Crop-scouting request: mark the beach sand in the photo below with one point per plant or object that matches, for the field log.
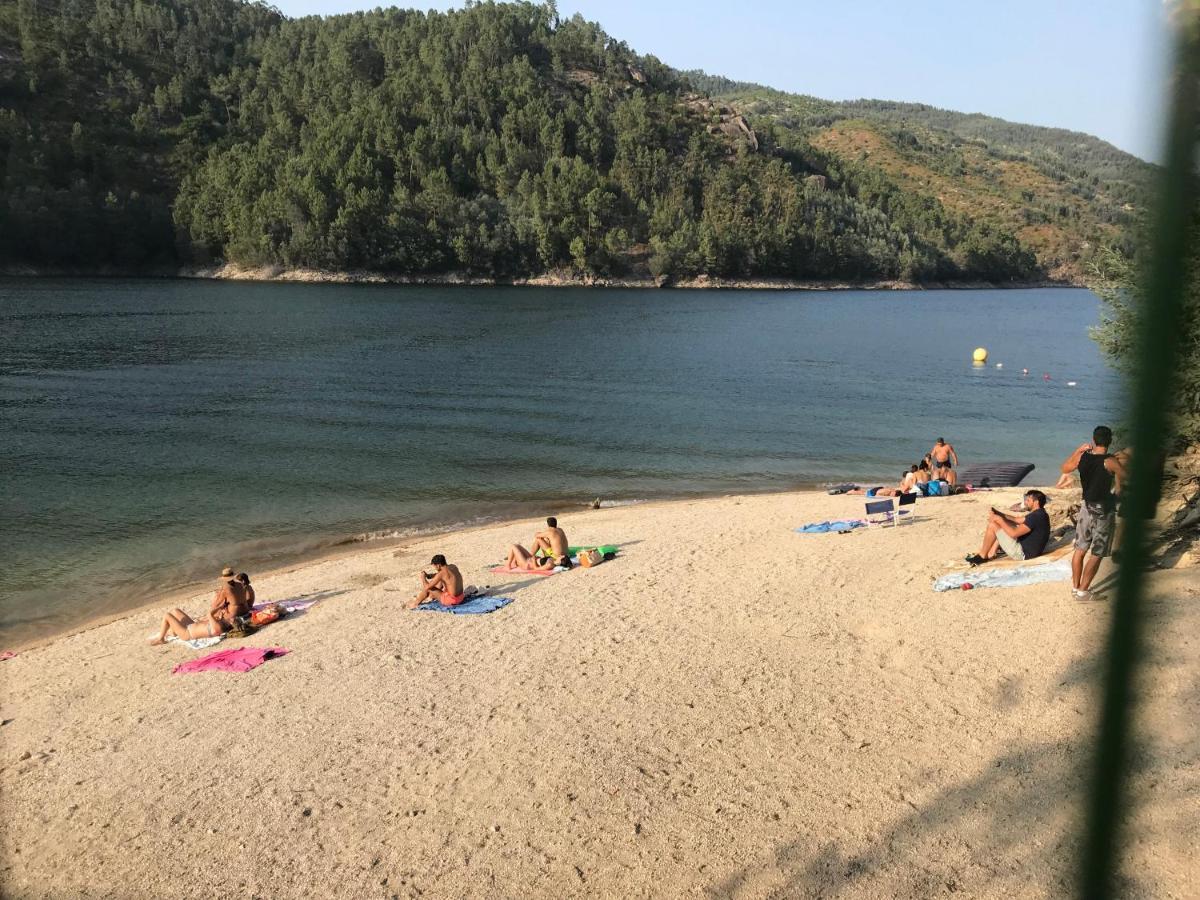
(727, 709)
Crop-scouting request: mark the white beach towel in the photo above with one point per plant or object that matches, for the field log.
(195, 643)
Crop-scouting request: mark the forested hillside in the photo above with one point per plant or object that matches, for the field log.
(499, 141)
(1062, 194)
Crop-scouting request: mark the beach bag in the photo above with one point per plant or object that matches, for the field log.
(589, 558)
(266, 615)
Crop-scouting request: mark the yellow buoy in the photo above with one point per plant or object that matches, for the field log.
(980, 354)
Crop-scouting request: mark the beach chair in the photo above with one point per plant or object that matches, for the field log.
(885, 508)
(907, 500)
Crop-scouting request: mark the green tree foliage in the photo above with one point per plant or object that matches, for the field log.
(498, 140)
(1121, 283)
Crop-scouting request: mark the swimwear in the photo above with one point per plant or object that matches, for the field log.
(945, 464)
(449, 599)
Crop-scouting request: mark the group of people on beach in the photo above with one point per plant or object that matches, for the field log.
(1025, 535)
(1020, 535)
(936, 466)
(549, 551)
(234, 599)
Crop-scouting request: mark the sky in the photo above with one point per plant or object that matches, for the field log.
(1097, 66)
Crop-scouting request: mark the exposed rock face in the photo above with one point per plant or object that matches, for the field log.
(1178, 514)
(724, 121)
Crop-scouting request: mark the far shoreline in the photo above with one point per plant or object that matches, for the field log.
(556, 279)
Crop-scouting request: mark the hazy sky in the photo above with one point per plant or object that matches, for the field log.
(1089, 65)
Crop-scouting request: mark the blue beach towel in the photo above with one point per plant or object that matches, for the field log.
(1040, 573)
(826, 527)
(474, 606)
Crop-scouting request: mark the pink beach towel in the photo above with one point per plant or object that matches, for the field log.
(7, 654)
(241, 659)
(503, 570)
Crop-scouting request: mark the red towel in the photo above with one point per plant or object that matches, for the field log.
(243, 659)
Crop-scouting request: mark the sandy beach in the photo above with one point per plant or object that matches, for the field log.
(727, 709)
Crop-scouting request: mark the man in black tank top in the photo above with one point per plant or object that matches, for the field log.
(1096, 525)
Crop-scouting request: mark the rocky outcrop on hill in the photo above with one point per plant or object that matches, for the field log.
(723, 120)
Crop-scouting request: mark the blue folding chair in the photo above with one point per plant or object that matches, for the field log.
(886, 508)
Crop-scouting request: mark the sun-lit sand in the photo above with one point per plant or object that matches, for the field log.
(727, 709)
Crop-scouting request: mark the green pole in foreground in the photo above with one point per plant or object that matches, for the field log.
(1157, 353)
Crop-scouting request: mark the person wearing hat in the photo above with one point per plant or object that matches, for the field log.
(232, 600)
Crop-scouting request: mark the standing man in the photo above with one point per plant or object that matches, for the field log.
(1096, 526)
(943, 459)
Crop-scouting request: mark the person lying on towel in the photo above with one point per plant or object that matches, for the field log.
(444, 586)
(233, 599)
(906, 486)
(520, 559)
(1023, 536)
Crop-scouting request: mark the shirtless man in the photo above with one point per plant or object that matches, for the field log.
(552, 542)
(904, 487)
(232, 599)
(445, 585)
(943, 459)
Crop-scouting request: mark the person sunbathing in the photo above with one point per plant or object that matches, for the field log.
(552, 542)
(905, 486)
(520, 559)
(232, 600)
(444, 586)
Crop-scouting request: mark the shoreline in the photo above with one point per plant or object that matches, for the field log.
(378, 540)
(286, 561)
(558, 279)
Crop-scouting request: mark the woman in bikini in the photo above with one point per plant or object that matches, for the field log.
(231, 601)
(521, 559)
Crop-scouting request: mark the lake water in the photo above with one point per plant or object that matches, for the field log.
(153, 431)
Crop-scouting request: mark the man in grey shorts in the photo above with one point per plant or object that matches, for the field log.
(1020, 537)
(1097, 521)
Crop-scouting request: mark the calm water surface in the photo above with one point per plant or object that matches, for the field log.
(152, 431)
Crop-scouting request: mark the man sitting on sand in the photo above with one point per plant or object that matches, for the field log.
(232, 600)
(445, 585)
(943, 459)
(1023, 536)
(552, 542)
